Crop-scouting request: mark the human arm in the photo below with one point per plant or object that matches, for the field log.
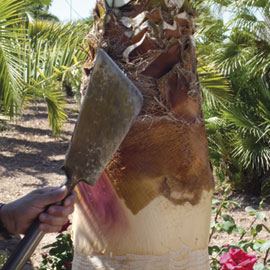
(17, 216)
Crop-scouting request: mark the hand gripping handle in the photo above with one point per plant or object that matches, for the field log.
(32, 237)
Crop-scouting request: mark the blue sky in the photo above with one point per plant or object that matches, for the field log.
(74, 9)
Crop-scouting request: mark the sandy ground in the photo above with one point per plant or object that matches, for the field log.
(31, 158)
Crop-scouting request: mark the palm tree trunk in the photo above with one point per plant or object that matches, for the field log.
(151, 208)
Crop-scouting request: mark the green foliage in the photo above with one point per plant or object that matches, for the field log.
(216, 88)
(248, 237)
(237, 114)
(10, 78)
(39, 9)
(60, 254)
(55, 63)
(39, 59)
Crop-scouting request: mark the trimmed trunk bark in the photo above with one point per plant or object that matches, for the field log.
(151, 208)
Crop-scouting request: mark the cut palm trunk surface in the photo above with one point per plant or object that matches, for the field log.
(151, 208)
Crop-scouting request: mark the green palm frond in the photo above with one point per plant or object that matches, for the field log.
(216, 88)
(39, 9)
(242, 121)
(48, 64)
(45, 53)
(250, 129)
(36, 57)
(11, 66)
(234, 53)
(55, 101)
(253, 17)
(218, 140)
(255, 3)
(10, 12)
(209, 28)
(252, 154)
(259, 61)
(263, 99)
(40, 2)
(10, 81)
(239, 131)
(213, 124)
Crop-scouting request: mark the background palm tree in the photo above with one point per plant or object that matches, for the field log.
(239, 130)
(39, 10)
(38, 57)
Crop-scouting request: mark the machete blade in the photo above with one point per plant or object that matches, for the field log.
(110, 105)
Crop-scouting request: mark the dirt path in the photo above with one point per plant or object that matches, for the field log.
(31, 158)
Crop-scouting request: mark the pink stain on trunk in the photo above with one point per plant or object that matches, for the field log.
(101, 202)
